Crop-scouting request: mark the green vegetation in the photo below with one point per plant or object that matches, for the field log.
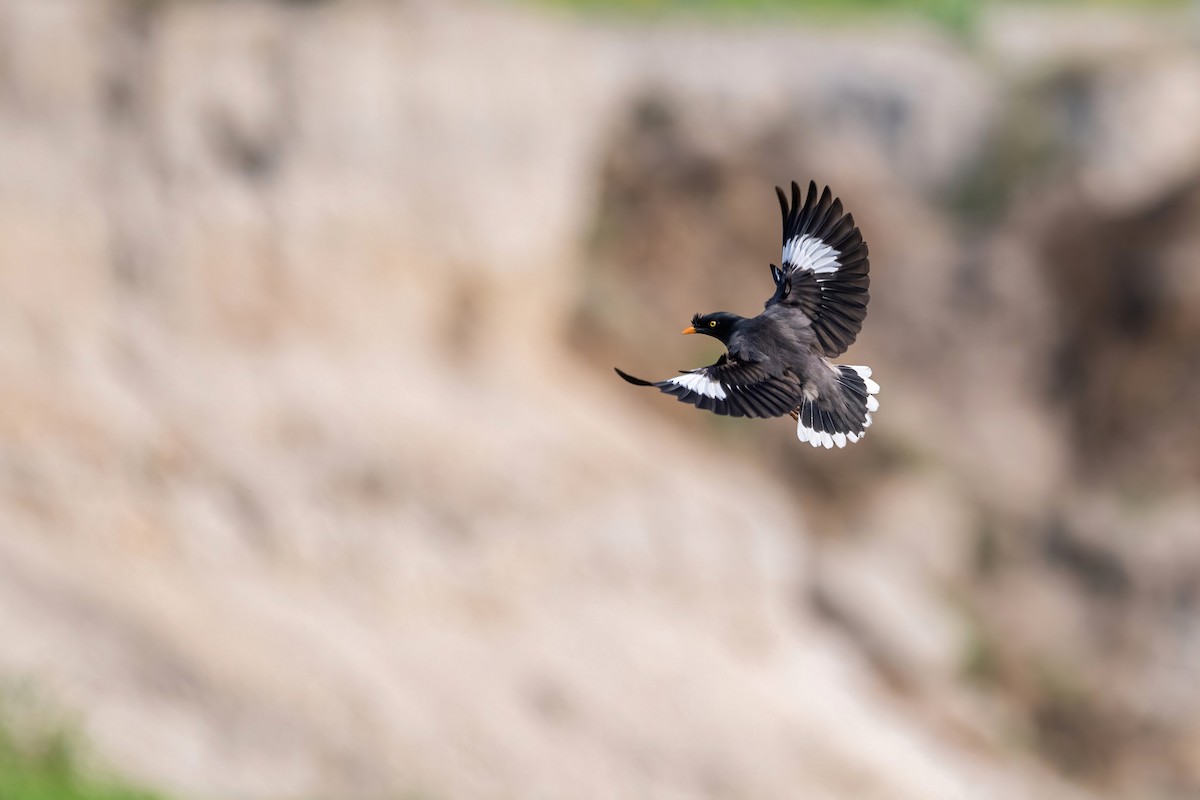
(46, 764)
(982, 659)
(934, 8)
(957, 16)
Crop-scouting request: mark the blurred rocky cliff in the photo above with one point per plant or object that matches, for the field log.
(315, 479)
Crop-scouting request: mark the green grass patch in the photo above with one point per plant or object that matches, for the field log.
(959, 17)
(956, 14)
(839, 7)
(40, 761)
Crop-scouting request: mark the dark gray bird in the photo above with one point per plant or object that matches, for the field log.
(778, 362)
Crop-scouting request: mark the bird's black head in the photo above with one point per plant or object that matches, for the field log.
(719, 325)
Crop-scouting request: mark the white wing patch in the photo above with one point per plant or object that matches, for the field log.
(700, 383)
(809, 252)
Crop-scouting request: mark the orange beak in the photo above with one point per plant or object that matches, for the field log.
(689, 329)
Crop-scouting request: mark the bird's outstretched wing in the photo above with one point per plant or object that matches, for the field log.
(731, 387)
(825, 267)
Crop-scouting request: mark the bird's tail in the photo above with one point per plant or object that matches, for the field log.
(833, 421)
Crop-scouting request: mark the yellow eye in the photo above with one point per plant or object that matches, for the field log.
(712, 324)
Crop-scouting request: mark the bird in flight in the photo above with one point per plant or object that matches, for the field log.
(778, 362)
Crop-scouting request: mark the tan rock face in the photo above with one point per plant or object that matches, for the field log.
(314, 480)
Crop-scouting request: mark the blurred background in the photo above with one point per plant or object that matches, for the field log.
(316, 482)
